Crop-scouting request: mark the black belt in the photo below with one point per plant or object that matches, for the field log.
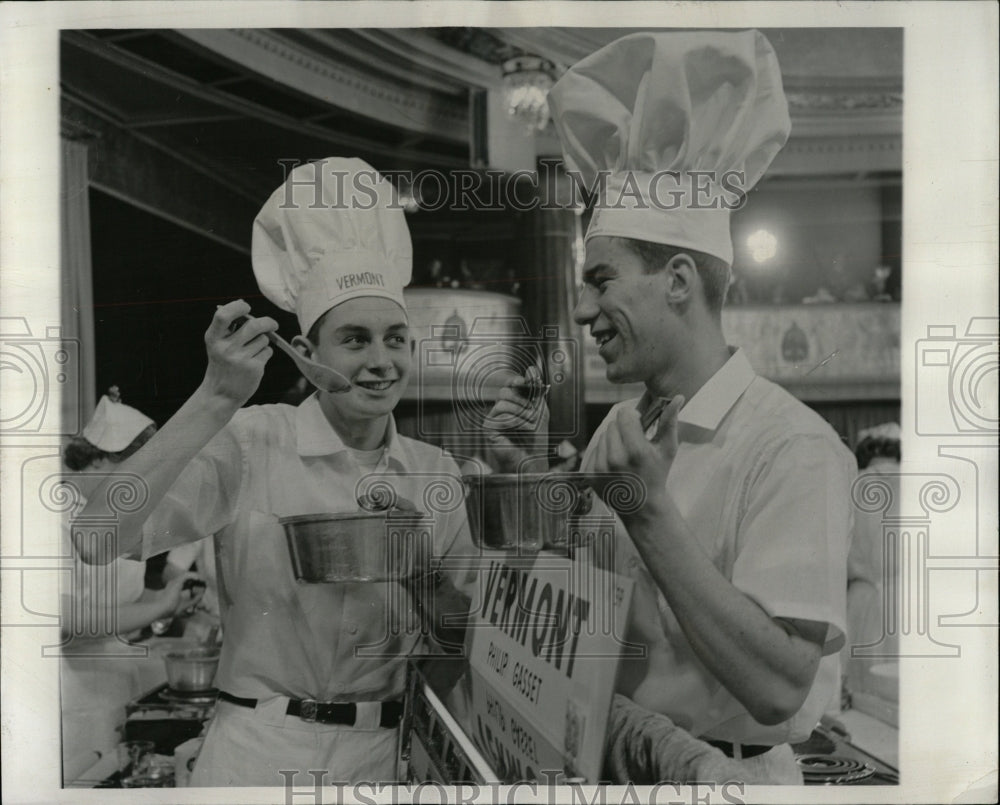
(746, 750)
(327, 712)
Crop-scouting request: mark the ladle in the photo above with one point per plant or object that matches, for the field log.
(531, 390)
(322, 377)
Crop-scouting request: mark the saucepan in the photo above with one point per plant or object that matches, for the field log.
(528, 511)
(382, 542)
(192, 669)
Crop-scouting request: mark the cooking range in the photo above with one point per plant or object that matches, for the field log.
(830, 758)
(168, 717)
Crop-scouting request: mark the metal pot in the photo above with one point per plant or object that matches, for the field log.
(192, 669)
(358, 547)
(527, 512)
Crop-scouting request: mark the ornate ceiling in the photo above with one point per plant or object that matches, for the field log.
(228, 105)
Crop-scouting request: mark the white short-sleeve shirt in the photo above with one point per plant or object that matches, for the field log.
(764, 483)
(329, 642)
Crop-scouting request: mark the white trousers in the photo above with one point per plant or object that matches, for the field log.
(253, 747)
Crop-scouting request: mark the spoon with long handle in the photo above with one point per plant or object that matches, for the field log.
(322, 377)
(212, 638)
(652, 413)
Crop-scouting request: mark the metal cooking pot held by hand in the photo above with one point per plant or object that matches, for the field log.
(527, 511)
(362, 546)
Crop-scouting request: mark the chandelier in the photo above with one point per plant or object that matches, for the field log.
(526, 84)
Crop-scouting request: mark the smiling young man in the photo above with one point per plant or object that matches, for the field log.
(366, 340)
(311, 675)
(739, 548)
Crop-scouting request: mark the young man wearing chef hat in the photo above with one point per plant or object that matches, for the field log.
(739, 550)
(311, 675)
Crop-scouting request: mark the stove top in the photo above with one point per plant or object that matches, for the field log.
(830, 758)
(165, 702)
(195, 697)
(166, 717)
(833, 770)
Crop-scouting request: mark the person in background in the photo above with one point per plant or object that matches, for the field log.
(311, 675)
(100, 606)
(738, 548)
(198, 557)
(115, 432)
(878, 456)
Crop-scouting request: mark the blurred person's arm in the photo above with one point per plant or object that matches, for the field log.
(181, 559)
(151, 606)
(644, 748)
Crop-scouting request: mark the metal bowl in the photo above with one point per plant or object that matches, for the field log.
(529, 511)
(191, 669)
(358, 547)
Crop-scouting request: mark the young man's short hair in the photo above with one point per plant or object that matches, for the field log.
(713, 271)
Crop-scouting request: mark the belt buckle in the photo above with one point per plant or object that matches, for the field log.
(309, 710)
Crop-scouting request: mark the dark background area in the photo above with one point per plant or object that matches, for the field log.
(156, 287)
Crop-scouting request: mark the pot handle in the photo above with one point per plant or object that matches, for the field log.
(377, 504)
(584, 501)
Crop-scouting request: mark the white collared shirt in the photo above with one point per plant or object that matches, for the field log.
(765, 485)
(283, 637)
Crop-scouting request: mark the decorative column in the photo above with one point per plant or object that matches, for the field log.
(905, 569)
(549, 295)
(980, 555)
(94, 616)
(593, 542)
(76, 284)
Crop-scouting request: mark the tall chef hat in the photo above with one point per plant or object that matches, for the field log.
(114, 425)
(332, 232)
(656, 109)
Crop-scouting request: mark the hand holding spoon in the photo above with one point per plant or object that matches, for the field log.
(531, 389)
(322, 377)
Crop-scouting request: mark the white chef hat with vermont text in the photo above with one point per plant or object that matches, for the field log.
(333, 231)
(682, 125)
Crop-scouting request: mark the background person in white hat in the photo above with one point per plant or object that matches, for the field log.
(331, 246)
(94, 689)
(739, 550)
(878, 456)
